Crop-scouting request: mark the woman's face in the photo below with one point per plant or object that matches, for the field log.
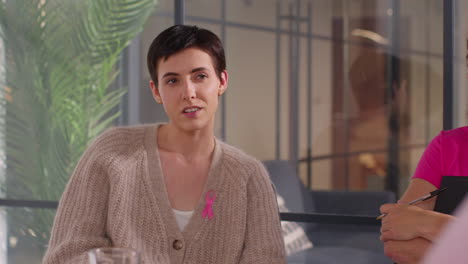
(188, 87)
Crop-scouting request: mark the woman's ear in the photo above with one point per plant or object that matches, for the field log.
(223, 83)
(155, 92)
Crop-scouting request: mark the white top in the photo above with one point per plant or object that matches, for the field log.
(182, 217)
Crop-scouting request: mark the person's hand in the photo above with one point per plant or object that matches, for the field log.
(402, 222)
(406, 252)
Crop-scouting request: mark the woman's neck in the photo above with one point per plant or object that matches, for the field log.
(190, 144)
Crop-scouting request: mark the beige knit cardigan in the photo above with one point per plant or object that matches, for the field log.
(117, 197)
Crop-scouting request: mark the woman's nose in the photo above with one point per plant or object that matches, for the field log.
(189, 91)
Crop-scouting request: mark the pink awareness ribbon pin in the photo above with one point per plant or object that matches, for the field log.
(209, 198)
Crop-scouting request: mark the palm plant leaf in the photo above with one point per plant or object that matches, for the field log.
(55, 94)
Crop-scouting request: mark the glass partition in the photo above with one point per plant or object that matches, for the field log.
(346, 93)
(24, 234)
(460, 63)
(60, 88)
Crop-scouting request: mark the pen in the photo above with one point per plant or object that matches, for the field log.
(420, 199)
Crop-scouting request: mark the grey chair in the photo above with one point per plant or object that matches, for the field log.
(333, 243)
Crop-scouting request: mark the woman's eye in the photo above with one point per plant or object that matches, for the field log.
(202, 76)
(171, 81)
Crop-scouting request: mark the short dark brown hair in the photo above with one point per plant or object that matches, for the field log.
(179, 37)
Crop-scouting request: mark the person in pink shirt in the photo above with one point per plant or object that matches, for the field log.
(408, 231)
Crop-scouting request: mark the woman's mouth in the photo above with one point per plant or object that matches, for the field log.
(191, 111)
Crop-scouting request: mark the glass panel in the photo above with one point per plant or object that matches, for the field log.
(283, 118)
(148, 110)
(360, 94)
(203, 9)
(255, 13)
(384, 93)
(165, 8)
(24, 234)
(461, 63)
(435, 95)
(360, 87)
(249, 86)
(61, 88)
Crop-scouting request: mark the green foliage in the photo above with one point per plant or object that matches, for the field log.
(56, 95)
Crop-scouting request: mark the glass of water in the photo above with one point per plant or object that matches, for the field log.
(114, 256)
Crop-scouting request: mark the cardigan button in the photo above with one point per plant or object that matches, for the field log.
(177, 245)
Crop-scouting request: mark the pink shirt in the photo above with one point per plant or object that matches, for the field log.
(446, 155)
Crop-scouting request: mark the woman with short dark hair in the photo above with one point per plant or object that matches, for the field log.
(172, 191)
